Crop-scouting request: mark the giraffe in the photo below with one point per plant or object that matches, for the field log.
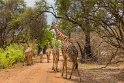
(47, 54)
(68, 50)
(55, 53)
(28, 55)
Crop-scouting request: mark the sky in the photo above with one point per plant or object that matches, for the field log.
(50, 18)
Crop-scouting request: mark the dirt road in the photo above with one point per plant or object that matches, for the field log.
(42, 73)
(37, 73)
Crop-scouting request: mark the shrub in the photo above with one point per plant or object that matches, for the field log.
(11, 55)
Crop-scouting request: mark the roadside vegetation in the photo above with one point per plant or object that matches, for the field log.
(95, 27)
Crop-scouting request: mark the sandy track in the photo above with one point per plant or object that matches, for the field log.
(42, 73)
(37, 73)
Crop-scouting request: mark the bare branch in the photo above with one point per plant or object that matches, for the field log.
(109, 62)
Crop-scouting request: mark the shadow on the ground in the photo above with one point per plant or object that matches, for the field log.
(108, 75)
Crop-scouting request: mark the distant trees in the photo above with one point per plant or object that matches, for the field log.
(19, 23)
(9, 10)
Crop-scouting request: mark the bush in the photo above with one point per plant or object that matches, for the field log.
(11, 55)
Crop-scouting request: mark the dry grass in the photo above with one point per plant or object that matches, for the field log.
(96, 66)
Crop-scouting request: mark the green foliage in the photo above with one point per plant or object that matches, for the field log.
(63, 6)
(10, 14)
(77, 11)
(27, 15)
(15, 22)
(47, 37)
(1, 50)
(58, 43)
(11, 55)
(66, 26)
(41, 4)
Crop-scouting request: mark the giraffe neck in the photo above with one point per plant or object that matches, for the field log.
(61, 36)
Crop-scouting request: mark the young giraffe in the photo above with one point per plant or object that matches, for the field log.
(28, 55)
(55, 53)
(68, 50)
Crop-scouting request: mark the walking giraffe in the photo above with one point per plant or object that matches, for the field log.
(68, 50)
(55, 53)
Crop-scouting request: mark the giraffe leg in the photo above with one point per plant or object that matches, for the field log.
(73, 68)
(79, 74)
(31, 59)
(78, 71)
(53, 62)
(27, 61)
(62, 69)
(53, 66)
(24, 61)
(66, 68)
(47, 57)
(57, 67)
(57, 64)
(41, 56)
(64, 59)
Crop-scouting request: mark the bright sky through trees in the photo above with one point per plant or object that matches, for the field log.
(31, 3)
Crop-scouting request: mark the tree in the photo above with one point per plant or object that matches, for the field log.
(95, 15)
(19, 21)
(9, 10)
(112, 22)
(66, 27)
(77, 12)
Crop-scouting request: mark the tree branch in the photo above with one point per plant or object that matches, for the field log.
(109, 62)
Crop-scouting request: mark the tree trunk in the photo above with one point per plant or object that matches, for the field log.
(44, 49)
(1, 43)
(39, 49)
(88, 45)
(82, 53)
